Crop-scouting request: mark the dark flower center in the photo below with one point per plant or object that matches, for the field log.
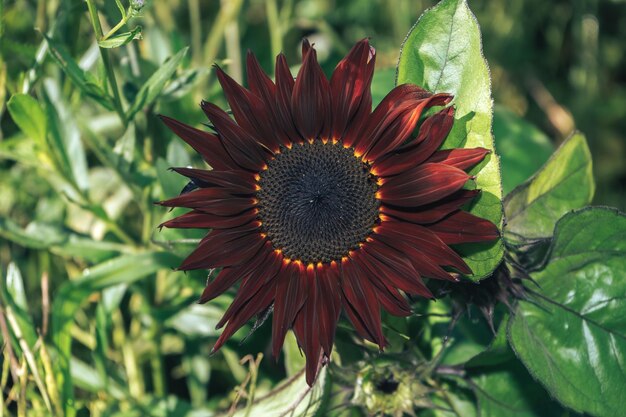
(317, 201)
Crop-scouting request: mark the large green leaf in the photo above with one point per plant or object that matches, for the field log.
(563, 184)
(443, 53)
(523, 148)
(572, 336)
(508, 390)
(121, 39)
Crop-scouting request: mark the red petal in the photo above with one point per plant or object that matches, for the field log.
(306, 327)
(249, 111)
(211, 200)
(328, 305)
(310, 99)
(285, 84)
(199, 220)
(423, 240)
(463, 227)
(431, 135)
(395, 267)
(227, 247)
(230, 275)
(207, 145)
(350, 87)
(241, 146)
(422, 185)
(394, 120)
(388, 296)
(241, 182)
(291, 293)
(257, 304)
(253, 280)
(361, 296)
(460, 158)
(264, 88)
(433, 212)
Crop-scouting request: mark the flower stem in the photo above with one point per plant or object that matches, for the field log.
(108, 65)
(125, 18)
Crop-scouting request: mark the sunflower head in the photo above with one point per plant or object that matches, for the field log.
(319, 205)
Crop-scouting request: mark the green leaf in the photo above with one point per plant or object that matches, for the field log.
(71, 295)
(291, 397)
(28, 116)
(121, 39)
(153, 86)
(64, 137)
(443, 53)
(81, 78)
(508, 390)
(572, 337)
(563, 184)
(523, 148)
(497, 352)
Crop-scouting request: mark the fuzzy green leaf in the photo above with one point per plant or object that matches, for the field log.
(443, 54)
(572, 337)
(563, 184)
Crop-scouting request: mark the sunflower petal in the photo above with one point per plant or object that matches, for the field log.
(291, 293)
(199, 220)
(350, 88)
(310, 99)
(463, 227)
(395, 118)
(460, 158)
(225, 248)
(206, 144)
(241, 146)
(230, 275)
(431, 135)
(432, 212)
(359, 293)
(422, 185)
(249, 111)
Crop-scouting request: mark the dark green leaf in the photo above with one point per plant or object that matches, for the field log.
(564, 183)
(508, 390)
(81, 78)
(523, 148)
(443, 53)
(28, 116)
(152, 88)
(572, 337)
(121, 39)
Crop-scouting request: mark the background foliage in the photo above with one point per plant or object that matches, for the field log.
(87, 276)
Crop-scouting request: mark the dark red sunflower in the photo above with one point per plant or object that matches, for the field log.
(318, 205)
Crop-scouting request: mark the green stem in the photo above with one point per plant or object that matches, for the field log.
(274, 25)
(125, 18)
(108, 65)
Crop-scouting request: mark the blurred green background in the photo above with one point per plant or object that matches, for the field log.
(77, 189)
